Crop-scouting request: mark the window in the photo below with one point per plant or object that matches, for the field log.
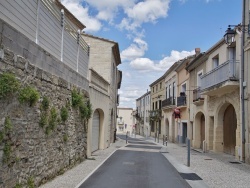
(159, 104)
(166, 92)
(169, 91)
(173, 89)
(216, 61)
(156, 87)
(160, 85)
(156, 105)
(199, 74)
(153, 89)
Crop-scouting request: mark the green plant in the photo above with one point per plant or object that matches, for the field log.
(7, 125)
(45, 103)
(76, 98)
(18, 185)
(47, 131)
(64, 114)
(90, 111)
(1, 136)
(29, 95)
(30, 182)
(8, 84)
(65, 137)
(83, 111)
(43, 120)
(6, 152)
(52, 118)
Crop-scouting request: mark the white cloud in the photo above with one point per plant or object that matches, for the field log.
(82, 13)
(166, 62)
(146, 65)
(144, 12)
(135, 50)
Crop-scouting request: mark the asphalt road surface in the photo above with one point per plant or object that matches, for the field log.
(138, 165)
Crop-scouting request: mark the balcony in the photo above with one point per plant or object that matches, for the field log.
(168, 103)
(181, 101)
(198, 99)
(220, 80)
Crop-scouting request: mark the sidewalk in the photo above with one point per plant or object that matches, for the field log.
(218, 170)
(215, 169)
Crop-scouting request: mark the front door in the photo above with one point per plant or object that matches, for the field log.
(184, 132)
(202, 130)
(229, 130)
(95, 131)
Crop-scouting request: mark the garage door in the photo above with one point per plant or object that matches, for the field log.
(95, 131)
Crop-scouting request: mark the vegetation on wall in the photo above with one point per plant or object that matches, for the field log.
(83, 105)
(64, 114)
(8, 85)
(28, 95)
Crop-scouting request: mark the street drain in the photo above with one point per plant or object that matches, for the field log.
(164, 152)
(190, 176)
(208, 159)
(234, 162)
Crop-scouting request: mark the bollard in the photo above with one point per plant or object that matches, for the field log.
(126, 137)
(163, 140)
(188, 152)
(166, 140)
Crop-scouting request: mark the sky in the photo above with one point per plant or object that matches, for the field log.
(153, 34)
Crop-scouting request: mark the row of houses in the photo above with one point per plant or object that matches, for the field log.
(49, 25)
(204, 98)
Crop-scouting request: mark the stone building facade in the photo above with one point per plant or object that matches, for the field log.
(143, 111)
(104, 57)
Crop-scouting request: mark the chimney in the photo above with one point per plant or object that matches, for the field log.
(197, 51)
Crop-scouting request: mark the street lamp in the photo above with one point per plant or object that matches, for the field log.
(229, 36)
(229, 39)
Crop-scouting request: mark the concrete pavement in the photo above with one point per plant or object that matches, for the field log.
(215, 170)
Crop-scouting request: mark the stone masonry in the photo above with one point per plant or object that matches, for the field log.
(35, 157)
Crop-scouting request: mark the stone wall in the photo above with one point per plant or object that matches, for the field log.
(36, 156)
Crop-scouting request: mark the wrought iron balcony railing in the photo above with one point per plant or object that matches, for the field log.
(168, 102)
(224, 72)
(181, 101)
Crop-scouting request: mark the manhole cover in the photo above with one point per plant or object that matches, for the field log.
(190, 176)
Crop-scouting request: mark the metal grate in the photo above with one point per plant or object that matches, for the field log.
(234, 162)
(190, 176)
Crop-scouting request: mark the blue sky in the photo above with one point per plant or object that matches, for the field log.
(153, 34)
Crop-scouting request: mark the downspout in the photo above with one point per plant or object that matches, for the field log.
(241, 85)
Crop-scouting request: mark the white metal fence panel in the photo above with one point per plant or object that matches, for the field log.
(50, 32)
(70, 47)
(83, 63)
(20, 14)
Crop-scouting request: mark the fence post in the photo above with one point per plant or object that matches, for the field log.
(37, 21)
(78, 43)
(62, 25)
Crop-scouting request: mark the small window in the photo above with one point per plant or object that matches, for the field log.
(160, 85)
(216, 61)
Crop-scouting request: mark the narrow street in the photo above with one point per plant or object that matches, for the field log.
(139, 165)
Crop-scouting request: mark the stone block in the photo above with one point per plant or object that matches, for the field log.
(10, 32)
(47, 76)
(38, 73)
(21, 62)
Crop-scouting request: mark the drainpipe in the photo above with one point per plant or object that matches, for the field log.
(242, 87)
